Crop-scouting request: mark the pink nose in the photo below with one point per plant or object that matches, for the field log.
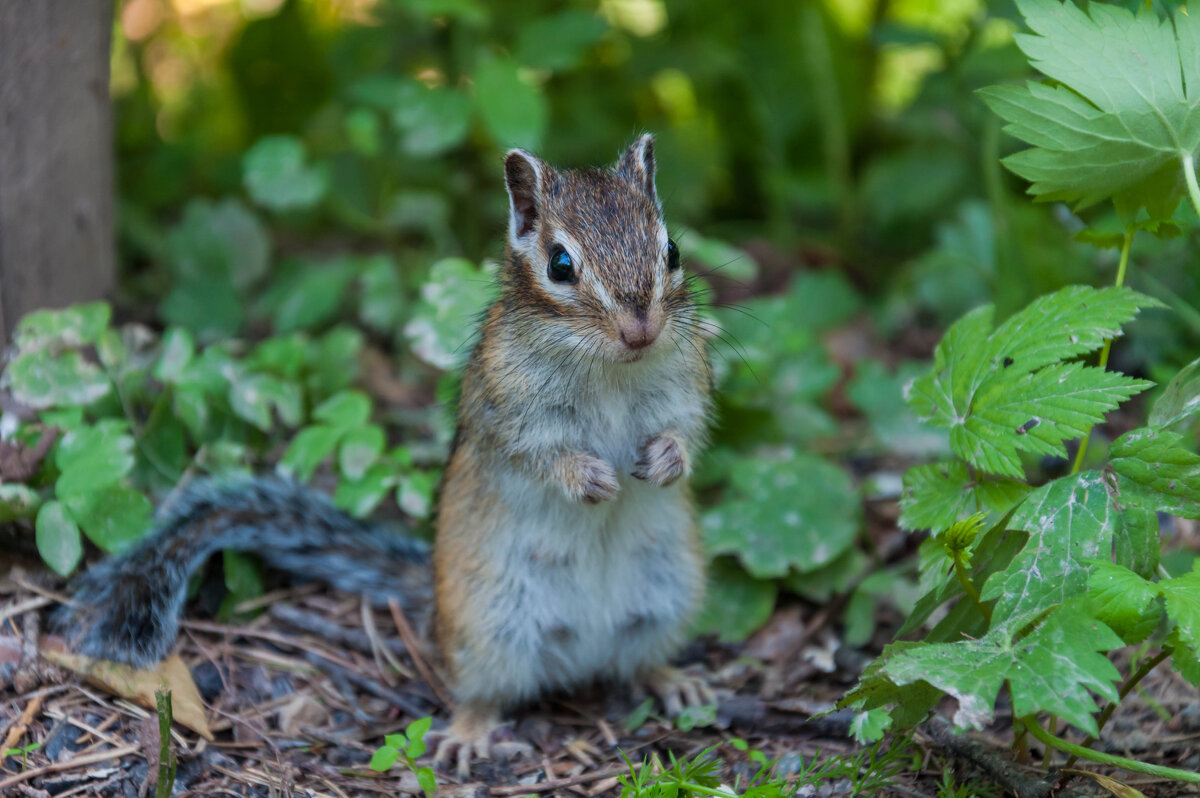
(638, 334)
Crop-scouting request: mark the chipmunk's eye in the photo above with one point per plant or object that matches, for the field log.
(672, 255)
(560, 268)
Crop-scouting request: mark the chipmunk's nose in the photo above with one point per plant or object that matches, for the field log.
(639, 329)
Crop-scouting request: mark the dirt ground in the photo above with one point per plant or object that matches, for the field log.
(298, 698)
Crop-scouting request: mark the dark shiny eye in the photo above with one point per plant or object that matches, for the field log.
(560, 268)
(672, 255)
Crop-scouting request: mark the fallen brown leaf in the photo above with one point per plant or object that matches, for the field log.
(139, 685)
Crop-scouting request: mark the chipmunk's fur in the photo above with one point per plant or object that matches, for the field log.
(565, 546)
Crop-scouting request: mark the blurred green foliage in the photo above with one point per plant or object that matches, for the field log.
(305, 184)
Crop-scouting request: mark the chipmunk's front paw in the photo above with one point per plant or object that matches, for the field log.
(587, 479)
(663, 461)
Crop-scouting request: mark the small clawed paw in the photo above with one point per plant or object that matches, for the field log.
(662, 462)
(596, 480)
(466, 748)
(676, 690)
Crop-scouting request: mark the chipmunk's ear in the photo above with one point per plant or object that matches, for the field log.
(524, 175)
(637, 164)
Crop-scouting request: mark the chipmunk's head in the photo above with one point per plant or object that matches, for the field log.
(589, 254)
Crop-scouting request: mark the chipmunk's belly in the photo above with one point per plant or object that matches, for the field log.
(588, 591)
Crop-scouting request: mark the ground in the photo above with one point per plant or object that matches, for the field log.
(299, 697)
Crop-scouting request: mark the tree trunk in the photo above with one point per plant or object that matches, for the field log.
(56, 170)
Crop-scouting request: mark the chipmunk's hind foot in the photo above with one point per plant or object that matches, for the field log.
(470, 738)
(677, 689)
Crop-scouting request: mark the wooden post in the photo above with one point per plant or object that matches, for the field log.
(56, 170)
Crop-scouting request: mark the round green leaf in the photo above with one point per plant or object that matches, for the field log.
(74, 326)
(113, 518)
(795, 511)
(344, 409)
(513, 110)
(277, 175)
(360, 448)
(383, 759)
(736, 603)
(308, 448)
(58, 539)
(453, 297)
(41, 379)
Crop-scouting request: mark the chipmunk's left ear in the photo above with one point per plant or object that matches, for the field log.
(637, 164)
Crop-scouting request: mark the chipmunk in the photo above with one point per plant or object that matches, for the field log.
(565, 545)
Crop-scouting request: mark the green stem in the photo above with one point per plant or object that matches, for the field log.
(1126, 688)
(1126, 243)
(964, 579)
(1189, 174)
(1134, 765)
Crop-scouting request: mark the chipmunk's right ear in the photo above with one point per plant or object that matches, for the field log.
(524, 175)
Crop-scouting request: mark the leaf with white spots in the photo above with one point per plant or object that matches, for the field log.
(794, 511)
(445, 319)
(1006, 390)
(1070, 521)
(1053, 669)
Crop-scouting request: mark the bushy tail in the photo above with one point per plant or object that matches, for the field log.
(127, 608)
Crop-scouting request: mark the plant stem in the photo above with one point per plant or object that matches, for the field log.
(964, 579)
(1189, 175)
(1120, 281)
(166, 761)
(1108, 759)
(1126, 688)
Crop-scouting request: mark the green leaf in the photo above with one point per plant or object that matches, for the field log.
(1002, 391)
(1180, 400)
(790, 511)
(277, 175)
(1136, 546)
(42, 379)
(313, 296)
(558, 41)
(428, 781)
(58, 539)
(395, 740)
(938, 494)
(443, 322)
(1050, 670)
(383, 759)
(359, 449)
(513, 109)
(1156, 460)
(178, 349)
(869, 726)
(361, 496)
(736, 603)
(879, 394)
(333, 362)
(1125, 111)
(382, 301)
(77, 325)
(243, 575)
(418, 729)
(910, 704)
(414, 493)
(113, 518)
(432, 120)
(253, 397)
(1121, 600)
(308, 448)
(1182, 595)
(93, 458)
(344, 410)
(834, 578)
(18, 501)
(722, 258)
(1070, 522)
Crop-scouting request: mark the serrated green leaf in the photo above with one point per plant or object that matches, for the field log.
(793, 511)
(938, 494)
(735, 604)
(1184, 659)
(910, 704)
(867, 727)
(879, 394)
(1050, 670)
(277, 175)
(1156, 460)
(1003, 391)
(1126, 112)
(1136, 545)
(1070, 522)
(58, 538)
(513, 109)
(1121, 600)
(1180, 400)
(1182, 596)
